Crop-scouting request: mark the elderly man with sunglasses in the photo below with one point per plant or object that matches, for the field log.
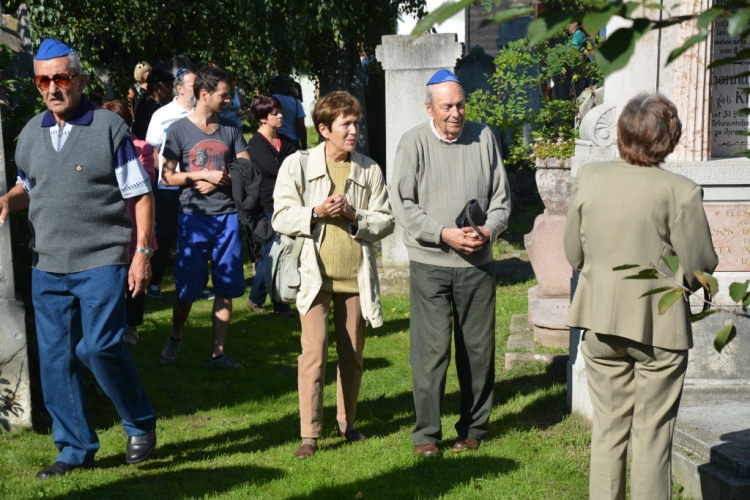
(77, 168)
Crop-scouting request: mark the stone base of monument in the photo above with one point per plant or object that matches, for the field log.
(393, 279)
(544, 244)
(710, 456)
(15, 388)
(546, 317)
(521, 348)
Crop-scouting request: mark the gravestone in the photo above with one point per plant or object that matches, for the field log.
(706, 100)
(15, 390)
(408, 63)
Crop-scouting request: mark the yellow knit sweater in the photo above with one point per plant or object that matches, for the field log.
(339, 252)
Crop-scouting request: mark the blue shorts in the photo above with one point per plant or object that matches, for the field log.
(197, 235)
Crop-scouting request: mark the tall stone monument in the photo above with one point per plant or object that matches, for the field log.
(710, 453)
(408, 63)
(15, 390)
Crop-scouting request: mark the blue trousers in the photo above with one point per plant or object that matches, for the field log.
(258, 292)
(80, 318)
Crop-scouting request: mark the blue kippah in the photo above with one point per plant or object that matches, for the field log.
(442, 76)
(51, 48)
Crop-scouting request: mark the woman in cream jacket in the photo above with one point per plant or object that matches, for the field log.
(634, 212)
(347, 210)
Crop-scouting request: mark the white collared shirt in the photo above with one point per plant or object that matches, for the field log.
(437, 134)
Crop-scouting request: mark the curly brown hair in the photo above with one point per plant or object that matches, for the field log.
(335, 104)
(648, 130)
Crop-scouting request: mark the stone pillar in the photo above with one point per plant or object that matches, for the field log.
(408, 63)
(15, 390)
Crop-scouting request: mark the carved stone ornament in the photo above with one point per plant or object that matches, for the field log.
(599, 126)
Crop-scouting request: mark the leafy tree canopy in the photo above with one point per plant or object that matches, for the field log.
(251, 38)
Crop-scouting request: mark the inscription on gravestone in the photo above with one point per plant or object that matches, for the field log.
(730, 231)
(727, 95)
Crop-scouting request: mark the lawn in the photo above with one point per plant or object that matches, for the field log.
(232, 434)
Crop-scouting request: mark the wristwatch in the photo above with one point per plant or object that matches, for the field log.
(314, 215)
(148, 252)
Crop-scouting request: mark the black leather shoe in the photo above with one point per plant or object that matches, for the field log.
(56, 469)
(140, 447)
(353, 435)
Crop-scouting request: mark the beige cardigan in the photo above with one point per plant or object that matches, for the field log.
(365, 191)
(625, 214)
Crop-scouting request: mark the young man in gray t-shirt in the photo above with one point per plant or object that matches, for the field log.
(208, 227)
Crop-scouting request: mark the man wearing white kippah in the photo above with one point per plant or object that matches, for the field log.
(439, 168)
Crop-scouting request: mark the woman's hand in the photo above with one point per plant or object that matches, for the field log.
(331, 206)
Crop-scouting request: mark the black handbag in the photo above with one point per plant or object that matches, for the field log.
(471, 215)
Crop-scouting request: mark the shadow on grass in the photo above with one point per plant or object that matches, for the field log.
(198, 482)
(427, 478)
(512, 271)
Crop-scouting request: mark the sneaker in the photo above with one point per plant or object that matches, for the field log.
(207, 294)
(153, 291)
(169, 352)
(130, 336)
(224, 362)
(256, 308)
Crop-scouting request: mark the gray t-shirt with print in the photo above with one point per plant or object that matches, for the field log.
(195, 150)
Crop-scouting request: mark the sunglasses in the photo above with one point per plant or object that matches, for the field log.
(62, 80)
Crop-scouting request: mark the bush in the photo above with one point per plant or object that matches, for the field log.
(518, 105)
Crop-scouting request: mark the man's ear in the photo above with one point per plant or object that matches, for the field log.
(428, 108)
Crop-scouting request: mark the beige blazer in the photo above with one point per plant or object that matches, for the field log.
(365, 191)
(626, 214)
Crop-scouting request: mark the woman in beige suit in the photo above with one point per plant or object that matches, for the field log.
(631, 211)
(345, 211)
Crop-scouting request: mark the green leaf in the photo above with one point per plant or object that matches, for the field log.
(672, 262)
(548, 24)
(738, 290)
(656, 6)
(709, 16)
(626, 266)
(703, 314)
(617, 50)
(709, 282)
(656, 290)
(725, 335)
(595, 21)
(440, 15)
(628, 8)
(685, 46)
(507, 15)
(646, 274)
(669, 298)
(738, 22)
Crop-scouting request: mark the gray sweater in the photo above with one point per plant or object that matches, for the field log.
(78, 217)
(430, 183)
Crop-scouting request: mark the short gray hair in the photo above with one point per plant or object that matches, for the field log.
(73, 63)
(428, 94)
(180, 80)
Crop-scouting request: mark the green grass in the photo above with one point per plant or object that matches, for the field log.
(232, 434)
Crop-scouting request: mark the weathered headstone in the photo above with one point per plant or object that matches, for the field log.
(408, 64)
(15, 390)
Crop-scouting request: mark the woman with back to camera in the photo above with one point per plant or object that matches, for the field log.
(631, 211)
(347, 210)
(268, 149)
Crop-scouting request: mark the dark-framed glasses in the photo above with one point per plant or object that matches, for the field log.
(62, 80)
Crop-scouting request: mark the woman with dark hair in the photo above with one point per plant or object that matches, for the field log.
(268, 149)
(634, 212)
(335, 199)
(134, 306)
